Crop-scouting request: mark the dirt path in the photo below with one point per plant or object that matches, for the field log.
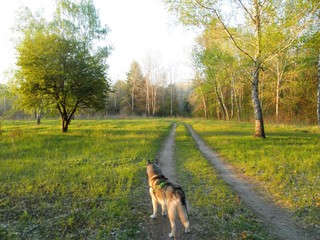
(160, 227)
(274, 218)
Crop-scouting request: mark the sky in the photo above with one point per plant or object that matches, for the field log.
(139, 30)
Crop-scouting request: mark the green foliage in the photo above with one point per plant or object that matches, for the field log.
(286, 164)
(6, 102)
(80, 20)
(88, 184)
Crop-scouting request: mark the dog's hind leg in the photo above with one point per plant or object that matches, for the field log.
(172, 218)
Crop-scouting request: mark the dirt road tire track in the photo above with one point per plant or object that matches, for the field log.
(275, 219)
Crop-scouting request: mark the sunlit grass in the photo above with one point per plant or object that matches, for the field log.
(286, 163)
(81, 185)
(90, 183)
(216, 211)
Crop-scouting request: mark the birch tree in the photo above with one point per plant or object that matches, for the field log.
(262, 20)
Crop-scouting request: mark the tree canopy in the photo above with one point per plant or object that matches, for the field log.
(59, 64)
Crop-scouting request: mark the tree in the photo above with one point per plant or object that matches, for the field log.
(136, 81)
(118, 98)
(154, 76)
(217, 67)
(26, 99)
(313, 41)
(199, 97)
(59, 64)
(264, 21)
(318, 93)
(6, 102)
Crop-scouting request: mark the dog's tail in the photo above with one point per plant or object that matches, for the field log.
(182, 208)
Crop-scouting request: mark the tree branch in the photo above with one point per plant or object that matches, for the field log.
(287, 43)
(60, 110)
(73, 111)
(225, 28)
(246, 10)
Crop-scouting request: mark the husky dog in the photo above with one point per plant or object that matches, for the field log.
(170, 196)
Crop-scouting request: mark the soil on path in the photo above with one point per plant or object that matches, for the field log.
(274, 218)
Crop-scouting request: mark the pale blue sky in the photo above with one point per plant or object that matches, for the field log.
(139, 29)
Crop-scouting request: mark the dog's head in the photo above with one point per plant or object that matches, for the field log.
(153, 168)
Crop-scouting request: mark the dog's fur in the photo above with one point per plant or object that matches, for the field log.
(170, 196)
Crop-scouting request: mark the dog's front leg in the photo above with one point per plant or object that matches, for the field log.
(155, 206)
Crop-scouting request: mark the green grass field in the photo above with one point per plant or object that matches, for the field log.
(90, 183)
(286, 163)
(85, 184)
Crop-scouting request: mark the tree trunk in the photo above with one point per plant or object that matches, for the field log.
(147, 97)
(66, 116)
(204, 107)
(204, 103)
(38, 114)
(132, 101)
(277, 100)
(259, 125)
(171, 100)
(66, 120)
(221, 101)
(279, 73)
(154, 99)
(235, 96)
(318, 92)
(65, 124)
(232, 103)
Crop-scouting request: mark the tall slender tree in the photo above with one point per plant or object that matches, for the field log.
(135, 81)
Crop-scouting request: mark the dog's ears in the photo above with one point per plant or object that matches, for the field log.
(156, 162)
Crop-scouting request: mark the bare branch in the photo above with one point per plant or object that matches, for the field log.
(246, 10)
